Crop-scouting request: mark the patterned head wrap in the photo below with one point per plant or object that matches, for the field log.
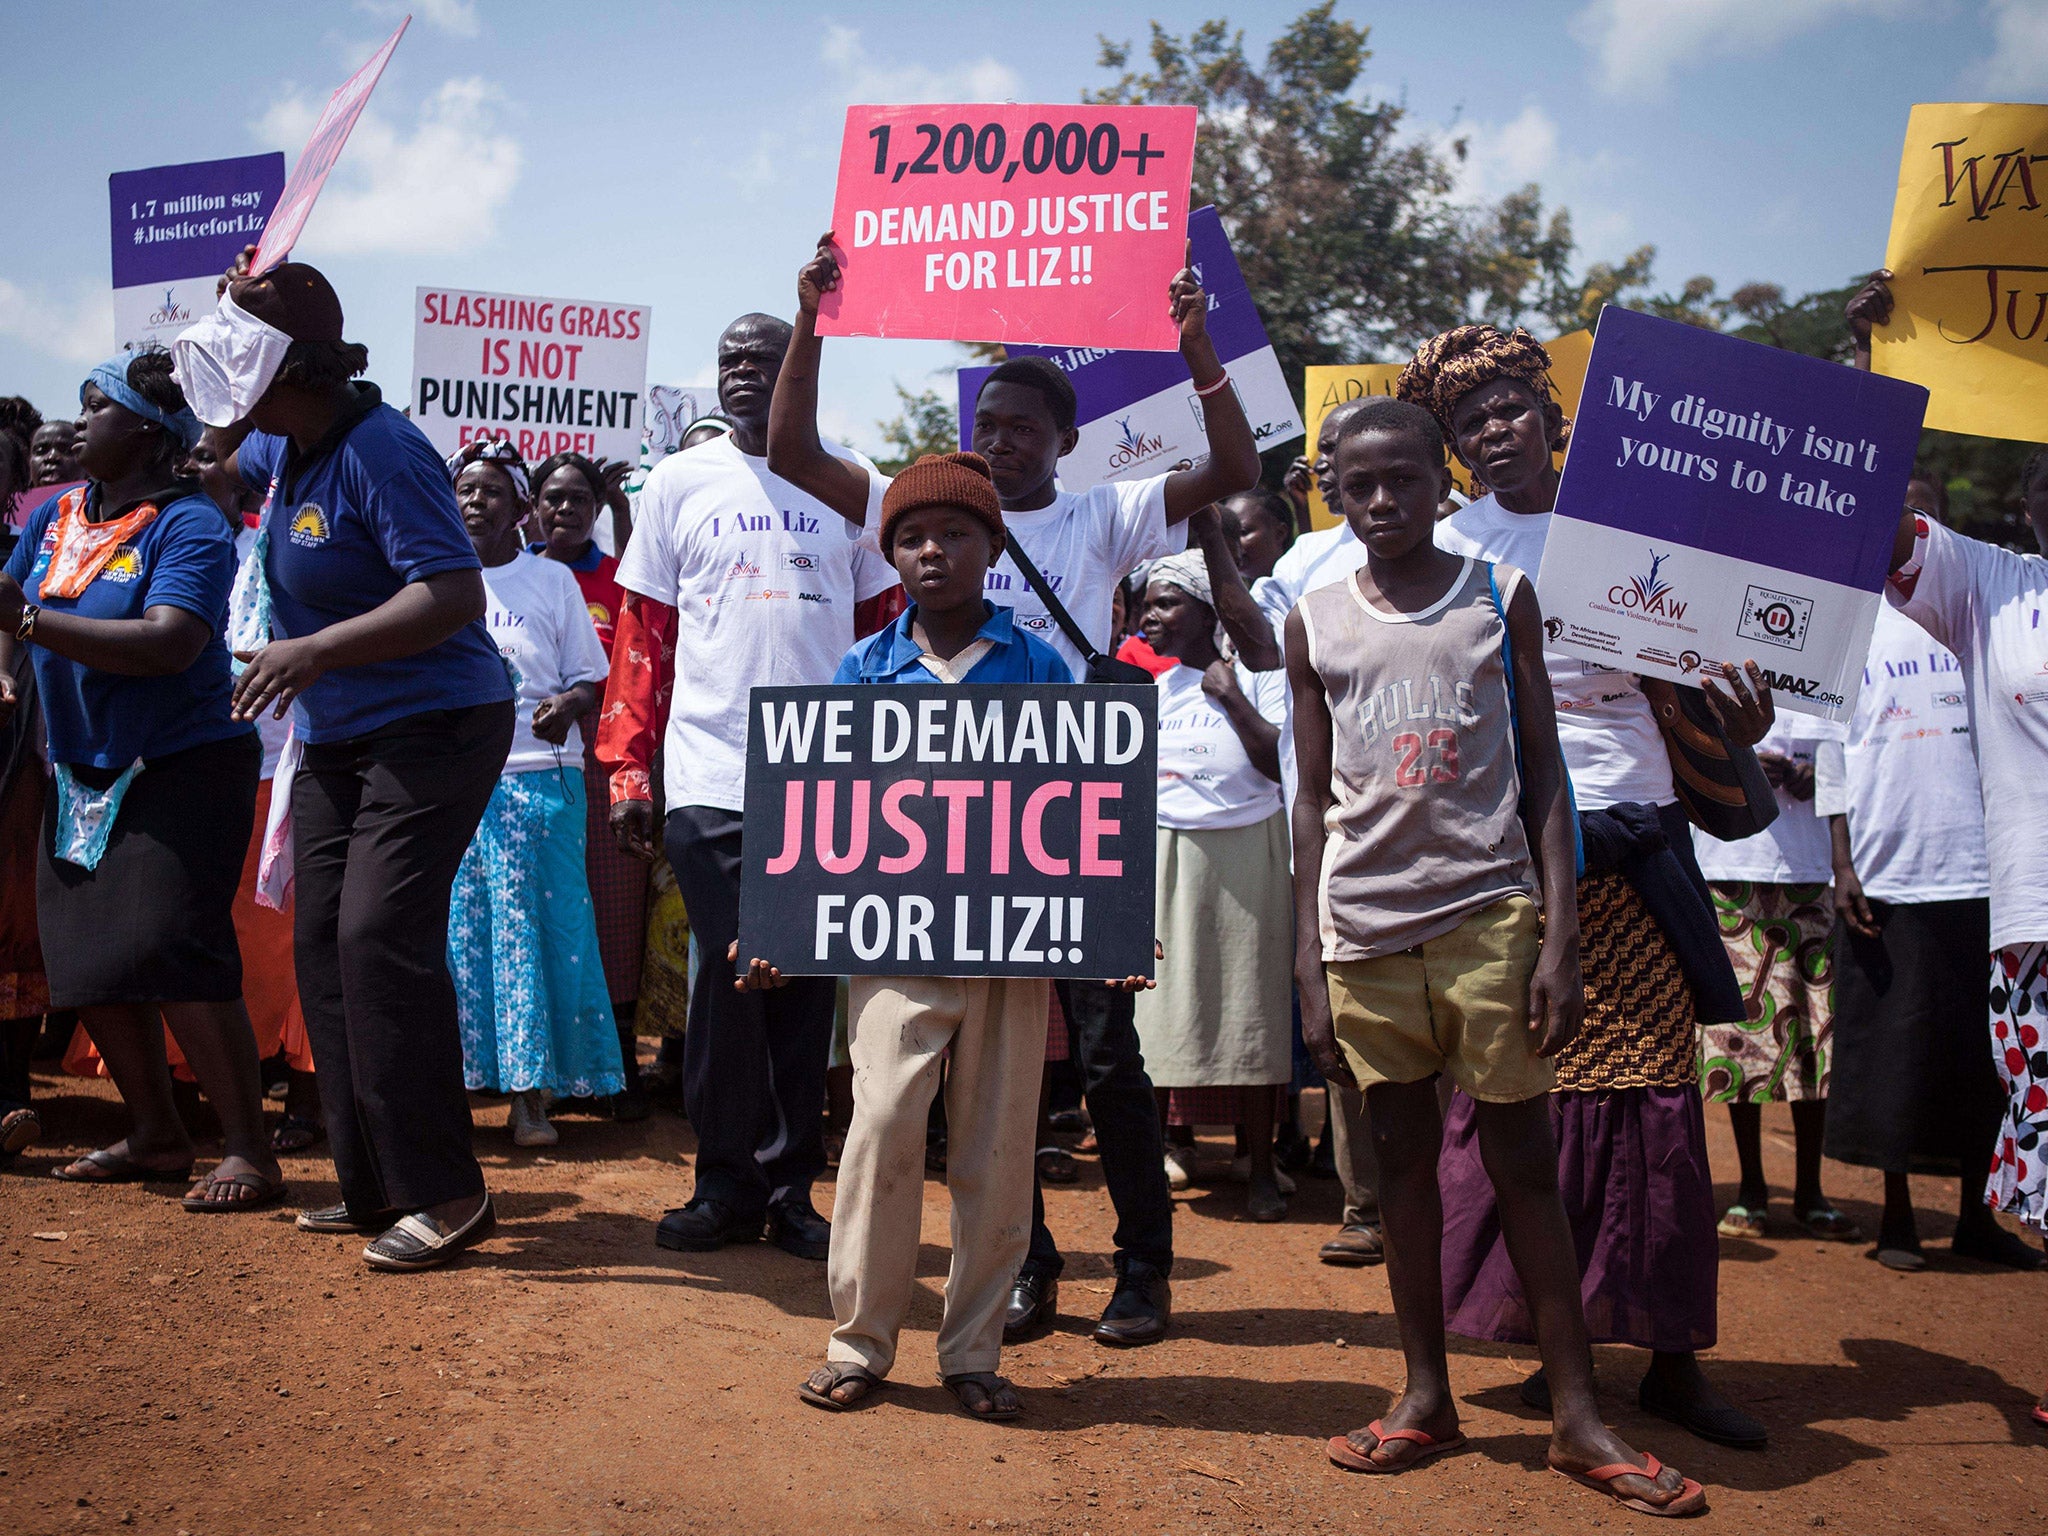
(1188, 570)
(1450, 366)
(495, 451)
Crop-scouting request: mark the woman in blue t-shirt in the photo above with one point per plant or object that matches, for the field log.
(121, 588)
(405, 711)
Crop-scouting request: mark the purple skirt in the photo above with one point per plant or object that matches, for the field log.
(1632, 1167)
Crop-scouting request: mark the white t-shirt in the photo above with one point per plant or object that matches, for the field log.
(540, 625)
(1908, 776)
(1793, 850)
(1990, 607)
(1314, 560)
(272, 733)
(1206, 779)
(1604, 724)
(1083, 544)
(763, 578)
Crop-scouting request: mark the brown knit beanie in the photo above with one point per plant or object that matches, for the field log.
(944, 480)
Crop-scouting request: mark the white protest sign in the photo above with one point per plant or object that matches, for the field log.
(548, 375)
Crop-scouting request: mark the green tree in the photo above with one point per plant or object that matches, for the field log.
(925, 422)
(1345, 228)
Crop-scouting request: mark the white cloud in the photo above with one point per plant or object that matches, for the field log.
(1505, 157)
(436, 185)
(1636, 43)
(78, 329)
(458, 18)
(2017, 69)
(864, 78)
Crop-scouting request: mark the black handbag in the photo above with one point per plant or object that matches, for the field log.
(1720, 784)
(1101, 668)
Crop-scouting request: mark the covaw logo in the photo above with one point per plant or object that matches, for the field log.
(172, 312)
(1132, 447)
(1648, 594)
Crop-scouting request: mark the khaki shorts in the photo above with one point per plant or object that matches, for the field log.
(1457, 1004)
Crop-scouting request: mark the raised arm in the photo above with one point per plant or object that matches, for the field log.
(1233, 462)
(1242, 619)
(1311, 805)
(1557, 993)
(794, 449)
(1870, 305)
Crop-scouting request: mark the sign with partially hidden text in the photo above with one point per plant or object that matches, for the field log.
(1137, 412)
(1724, 501)
(176, 229)
(1329, 386)
(549, 375)
(968, 830)
(1968, 251)
(1051, 225)
(323, 149)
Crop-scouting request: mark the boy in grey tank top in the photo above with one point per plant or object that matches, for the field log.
(1433, 808)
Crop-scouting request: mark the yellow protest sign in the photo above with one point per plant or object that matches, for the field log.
(1330, 387)
(1969, 261)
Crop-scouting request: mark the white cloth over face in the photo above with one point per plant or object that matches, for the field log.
(225, 362)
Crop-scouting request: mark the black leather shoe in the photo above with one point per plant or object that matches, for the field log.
(1034, 1303)
(705, 1225)
(795, 1228)
(1137, 1314)
(1720, 1422)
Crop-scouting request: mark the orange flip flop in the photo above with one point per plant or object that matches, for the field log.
(1691, 1499)
(2041, 1414)
(1344, 1456)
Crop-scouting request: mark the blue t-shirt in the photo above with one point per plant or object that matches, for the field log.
(1014, 655)
(367, 511)
(184, 559)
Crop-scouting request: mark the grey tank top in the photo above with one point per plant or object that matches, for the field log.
(1423, 829)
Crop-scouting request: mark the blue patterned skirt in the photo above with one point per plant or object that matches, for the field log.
(522, 946)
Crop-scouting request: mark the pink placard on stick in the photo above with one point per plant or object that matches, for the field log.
(322, 149)
(1056, 225)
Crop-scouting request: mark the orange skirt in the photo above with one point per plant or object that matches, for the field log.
(270, 983)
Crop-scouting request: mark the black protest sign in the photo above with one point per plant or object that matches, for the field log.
(966, 830)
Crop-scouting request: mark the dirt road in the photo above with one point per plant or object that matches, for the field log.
(219, 1375)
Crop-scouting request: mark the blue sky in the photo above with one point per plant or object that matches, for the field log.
(683, 156)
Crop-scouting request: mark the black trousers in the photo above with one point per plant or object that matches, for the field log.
(753, 1062)
(380, 823)
(1103, 1031)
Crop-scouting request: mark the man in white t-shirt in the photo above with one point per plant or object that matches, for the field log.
(751, 582)
(1084, 544)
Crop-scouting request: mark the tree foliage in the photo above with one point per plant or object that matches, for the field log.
(1345, 228)
(926, 422)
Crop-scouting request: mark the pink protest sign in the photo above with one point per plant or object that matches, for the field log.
(1056, 225)
(322, 149)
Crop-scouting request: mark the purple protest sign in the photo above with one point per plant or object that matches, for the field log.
(1725, 501)
(1137, 411)
(176, 228)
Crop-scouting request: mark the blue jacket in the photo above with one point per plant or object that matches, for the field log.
(891, 655)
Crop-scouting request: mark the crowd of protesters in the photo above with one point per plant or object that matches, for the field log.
(335, 766)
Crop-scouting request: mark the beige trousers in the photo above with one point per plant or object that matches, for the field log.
(1358, 1166)
(897, 1029)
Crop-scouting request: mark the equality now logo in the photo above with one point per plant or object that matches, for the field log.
(1648, 593)
(1776, 618)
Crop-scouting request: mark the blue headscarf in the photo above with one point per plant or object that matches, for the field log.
(111, 380)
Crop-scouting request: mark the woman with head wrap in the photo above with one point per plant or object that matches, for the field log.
(568, 489)
(405, 712)
(1631, 1135)
(522, 942)
(1220, 1019)
(121, 588)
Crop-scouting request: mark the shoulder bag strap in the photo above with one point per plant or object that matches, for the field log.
(1053, 605)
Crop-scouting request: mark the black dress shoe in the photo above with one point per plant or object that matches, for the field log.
(1536, 1391)
(335, 1218)
(795, 1228)
(1722, 1423)
(1137, 1314)
(1034, 1303)
(705, 1225)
